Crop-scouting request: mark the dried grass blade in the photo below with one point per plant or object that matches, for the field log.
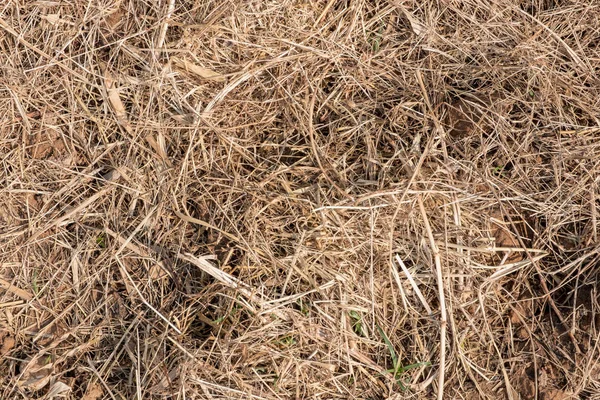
(114, 98)
(442, 297)
(15, 290)
(414, 285)
(201, 72)
(205, 265)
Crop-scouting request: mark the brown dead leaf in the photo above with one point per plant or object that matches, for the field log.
(47, 142)
(53, 19)
(32, 202)
(522, 333)
(417, 27)
(523, 385)
(166, 381)
(465, 115)
(199, 71)
(41, 146)
(94, 392)
(7, 342)
(115, 101)
(555, 394)
(521, 311)
(36, 373)
(503, 236)
(462, 118)
(159, 146)
(6, 285)
(115, 16)
(58, 389)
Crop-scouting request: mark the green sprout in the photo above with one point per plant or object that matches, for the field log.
(499, 170)
(398, 369)
(357, 324)
(376, 38)
(101, 240)
(287, 341)
(304, 307)
(34, 283)
(234, 310)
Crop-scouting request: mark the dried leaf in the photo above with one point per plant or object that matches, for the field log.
(36, 374)
(160, 150)
(555, 394)
(58, 389)
(15, 290)
(503, 236)
(42, 145)
(53, 19)
(521, 311)
(114, 17)
(166, 381)
(202, 72)
(117, 104)
(94, 392)
(31, 201)
(8, 342)
(115, 101)
(118, 107)
(417, 27)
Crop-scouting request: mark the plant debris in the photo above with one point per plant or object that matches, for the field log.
(291, 199)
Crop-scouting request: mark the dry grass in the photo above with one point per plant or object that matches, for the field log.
(300, 199)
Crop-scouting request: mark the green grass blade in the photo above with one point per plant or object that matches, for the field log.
(389, 346)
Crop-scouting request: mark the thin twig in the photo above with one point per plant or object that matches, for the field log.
(442, 298)
(163, 31)
(414, 285)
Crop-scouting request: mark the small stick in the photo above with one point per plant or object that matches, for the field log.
(163, 31)
(325, 11)
(71, 213)
(593, 205)
(15, 290)
(221, 276)
(440, 281)
(414, 285)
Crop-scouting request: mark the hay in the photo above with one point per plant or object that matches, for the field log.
(299, 199)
